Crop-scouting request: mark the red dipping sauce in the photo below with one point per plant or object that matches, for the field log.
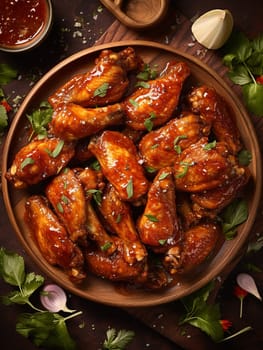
(22, 21)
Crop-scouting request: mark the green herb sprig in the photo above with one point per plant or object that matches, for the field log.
(244, 58)
(232, 216)
(39, 120)
(42, 327)
(7, 73)
(117, 341)
(201, 314)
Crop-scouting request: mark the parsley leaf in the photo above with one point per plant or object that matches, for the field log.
(7, 73)
(244, 58)
(201, 314)
(129, 188)
(117, 341)
(101, 91)
(45, 329)
(3, 119)
(96, 194)
(40, 118)
(12, 270)
(147, 73)
(233, 215)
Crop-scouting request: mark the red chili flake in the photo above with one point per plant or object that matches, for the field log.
(226, 324)
(259, 79)
(240, 292)
(5, 104)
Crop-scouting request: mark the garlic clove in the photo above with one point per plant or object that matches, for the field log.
(213, 28)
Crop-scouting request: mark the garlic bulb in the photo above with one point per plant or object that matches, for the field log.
(213, 28)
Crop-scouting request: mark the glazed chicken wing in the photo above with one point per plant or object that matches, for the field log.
(118, 217)
(115, 267)
(52, 238)
(218, 198)
(106, 83)
(197, 245)
(97, 232)
(160, 148)
(203, 166)
(91, 180)
(216, 113)
(67, 197)
(73, 122)
(119, 162)
(39, 160)
(158, 226)
(157, 101)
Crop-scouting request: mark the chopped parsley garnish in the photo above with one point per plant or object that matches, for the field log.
(129, 188)
(101, 91)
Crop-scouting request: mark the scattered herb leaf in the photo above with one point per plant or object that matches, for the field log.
(40, 118)
(27, 161)
(142, 84)
(149, 121)
(163, 176)
(106, 246)
(96, 194)
(117, 341)
(177, 148)
(203, 315)
(129, 188)
(101, 91)
(209, 145)
(244, 58)
(162, 241)
(3, 119)
(44, 328)
(147, 73)
(134, 103)
(232, 216)
(151, 217)
(244, 157)
(7, 73)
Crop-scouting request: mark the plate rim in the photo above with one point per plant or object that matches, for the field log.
(88, 51)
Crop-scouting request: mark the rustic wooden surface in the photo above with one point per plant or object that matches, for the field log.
(155, 328)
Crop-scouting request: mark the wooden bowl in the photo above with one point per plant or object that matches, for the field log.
(94, 288)
(138, 14)
(32, 24)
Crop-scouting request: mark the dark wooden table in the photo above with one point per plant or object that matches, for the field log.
(77, 25)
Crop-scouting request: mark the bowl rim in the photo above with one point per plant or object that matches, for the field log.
(231, 254)
(37, 39)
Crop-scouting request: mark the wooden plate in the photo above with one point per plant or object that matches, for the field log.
(97, 289)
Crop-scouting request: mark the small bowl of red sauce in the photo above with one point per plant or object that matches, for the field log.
(24, 24)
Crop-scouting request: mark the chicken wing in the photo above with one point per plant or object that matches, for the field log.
(197, 245)
(118, 217)
(215, 112)
(203, 166)
(91, 180)
(160, 148)
(52, 238)
(158, 226)
(73, 122)
(97, 233)
(218, 198)
(119, 162)
(67, 197)
(104, 84)
(39, 160)
(156, 102)
(115, 267)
